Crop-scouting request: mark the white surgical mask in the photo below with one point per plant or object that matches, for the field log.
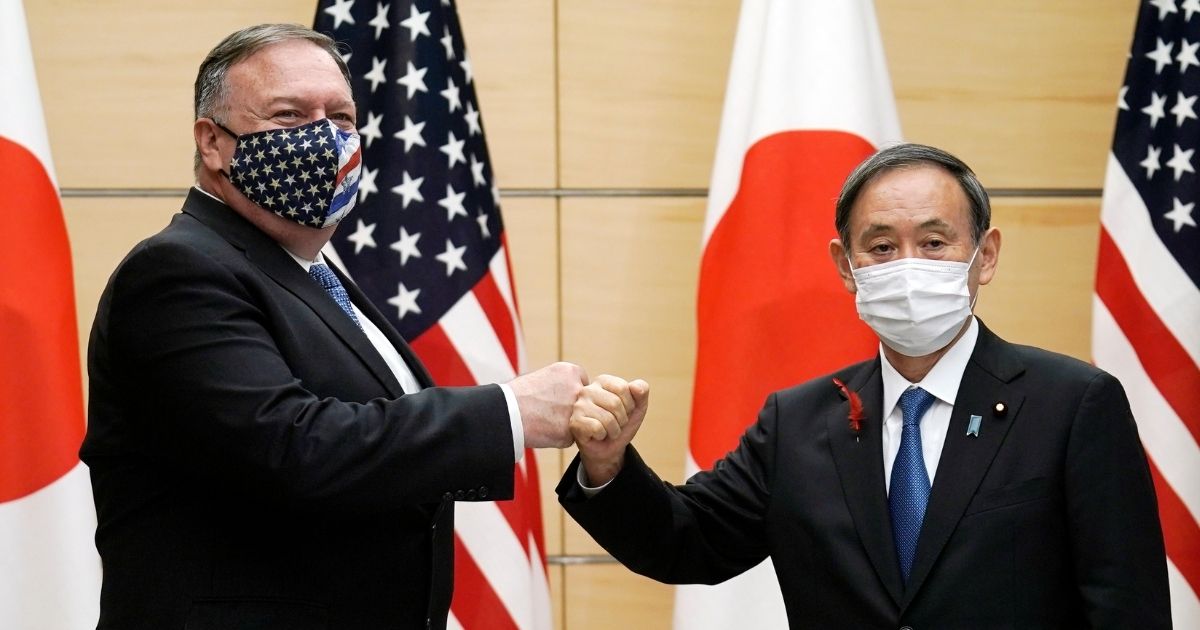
(916, 306)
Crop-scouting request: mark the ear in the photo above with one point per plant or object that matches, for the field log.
(207, 133)
(989, 255)
(837, 253)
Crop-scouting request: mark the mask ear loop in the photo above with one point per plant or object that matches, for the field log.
(231, 134)
(971, 263)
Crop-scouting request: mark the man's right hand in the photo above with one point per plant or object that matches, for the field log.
(607, 415)
(545, 399)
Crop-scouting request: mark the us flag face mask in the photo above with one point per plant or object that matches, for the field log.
(308, 174)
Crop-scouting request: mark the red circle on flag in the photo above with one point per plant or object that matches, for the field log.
(41, 398)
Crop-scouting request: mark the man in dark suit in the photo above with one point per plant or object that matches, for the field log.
(953, 481)
(265, 450)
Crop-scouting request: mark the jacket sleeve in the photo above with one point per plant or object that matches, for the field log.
(185, 366)
(1116, 539)
(704, 532)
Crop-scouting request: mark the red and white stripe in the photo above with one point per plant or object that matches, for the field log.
(49, 568)
(808, 98)
(500, 551)
(1146, 332)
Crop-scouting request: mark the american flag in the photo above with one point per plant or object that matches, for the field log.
(1146, 317)
(426, 243)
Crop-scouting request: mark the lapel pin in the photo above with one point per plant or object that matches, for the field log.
(1000, 409)
(973, 426)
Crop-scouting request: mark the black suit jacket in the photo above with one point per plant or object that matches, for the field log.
(254, 461)
(1047, 519)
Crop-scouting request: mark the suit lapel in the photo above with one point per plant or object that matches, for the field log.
(860, 468)
(966, 458)
(274, 261)
(364, 304)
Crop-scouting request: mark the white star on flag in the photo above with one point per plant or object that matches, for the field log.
(1184, 109)
(414, 80)
(341, 12)
(377, 74)
(453, 203)
(416, 23)
(409, 190)
(1151, 163)
(1161, 55)
(362, 236)
(1181, 162)
(1181, 214)
(406, 245)
(1165, 7)
(1156, 109)
(380, 20)
(453, 258)
(453, 150)
(405, 301)
(366, 185)
(451, 95)
(370, 131)
(411, 134)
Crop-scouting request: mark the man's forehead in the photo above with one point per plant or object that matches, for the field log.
(926, 191)
(290, 72)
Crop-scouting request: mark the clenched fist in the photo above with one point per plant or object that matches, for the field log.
(607, 415)
(545, 399)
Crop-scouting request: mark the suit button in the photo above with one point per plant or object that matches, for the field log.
(906, 628)
(460, 495)
(447, 497)
(471, 494)
(483, 492)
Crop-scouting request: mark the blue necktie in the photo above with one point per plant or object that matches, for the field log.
(324, 277)
(910, 482)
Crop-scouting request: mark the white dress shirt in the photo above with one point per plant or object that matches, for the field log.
(942, 381)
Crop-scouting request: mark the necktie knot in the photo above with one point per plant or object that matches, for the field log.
(914, 402)
(329, 281)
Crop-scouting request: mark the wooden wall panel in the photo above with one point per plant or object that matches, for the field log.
(531, 226)
(629, 270)
(512, 52)
(1042, 292)
(1023, 90)
(641, 86)
(116, 82)
(604, 597)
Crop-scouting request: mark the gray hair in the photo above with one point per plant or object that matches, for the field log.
(211, 88)
(909, 155)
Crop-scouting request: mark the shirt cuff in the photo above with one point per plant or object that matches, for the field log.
(581, 479)
(514, 419)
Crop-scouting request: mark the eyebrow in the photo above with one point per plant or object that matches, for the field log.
(300, 102)
(880, 228)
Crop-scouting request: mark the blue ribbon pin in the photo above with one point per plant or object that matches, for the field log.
(973, 427)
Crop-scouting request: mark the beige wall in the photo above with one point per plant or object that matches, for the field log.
(626, 94)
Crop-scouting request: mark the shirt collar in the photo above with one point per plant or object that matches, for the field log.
(942, 380)
(304, 262)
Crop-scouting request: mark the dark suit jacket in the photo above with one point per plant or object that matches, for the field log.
(1047, 519)
(253, 460)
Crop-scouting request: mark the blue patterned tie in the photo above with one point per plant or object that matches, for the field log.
(910, 482)
(324, 277)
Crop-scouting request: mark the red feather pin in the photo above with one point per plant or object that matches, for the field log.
(856, 407)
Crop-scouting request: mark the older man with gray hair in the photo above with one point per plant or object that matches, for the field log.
(954, 480)
(265, 450)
